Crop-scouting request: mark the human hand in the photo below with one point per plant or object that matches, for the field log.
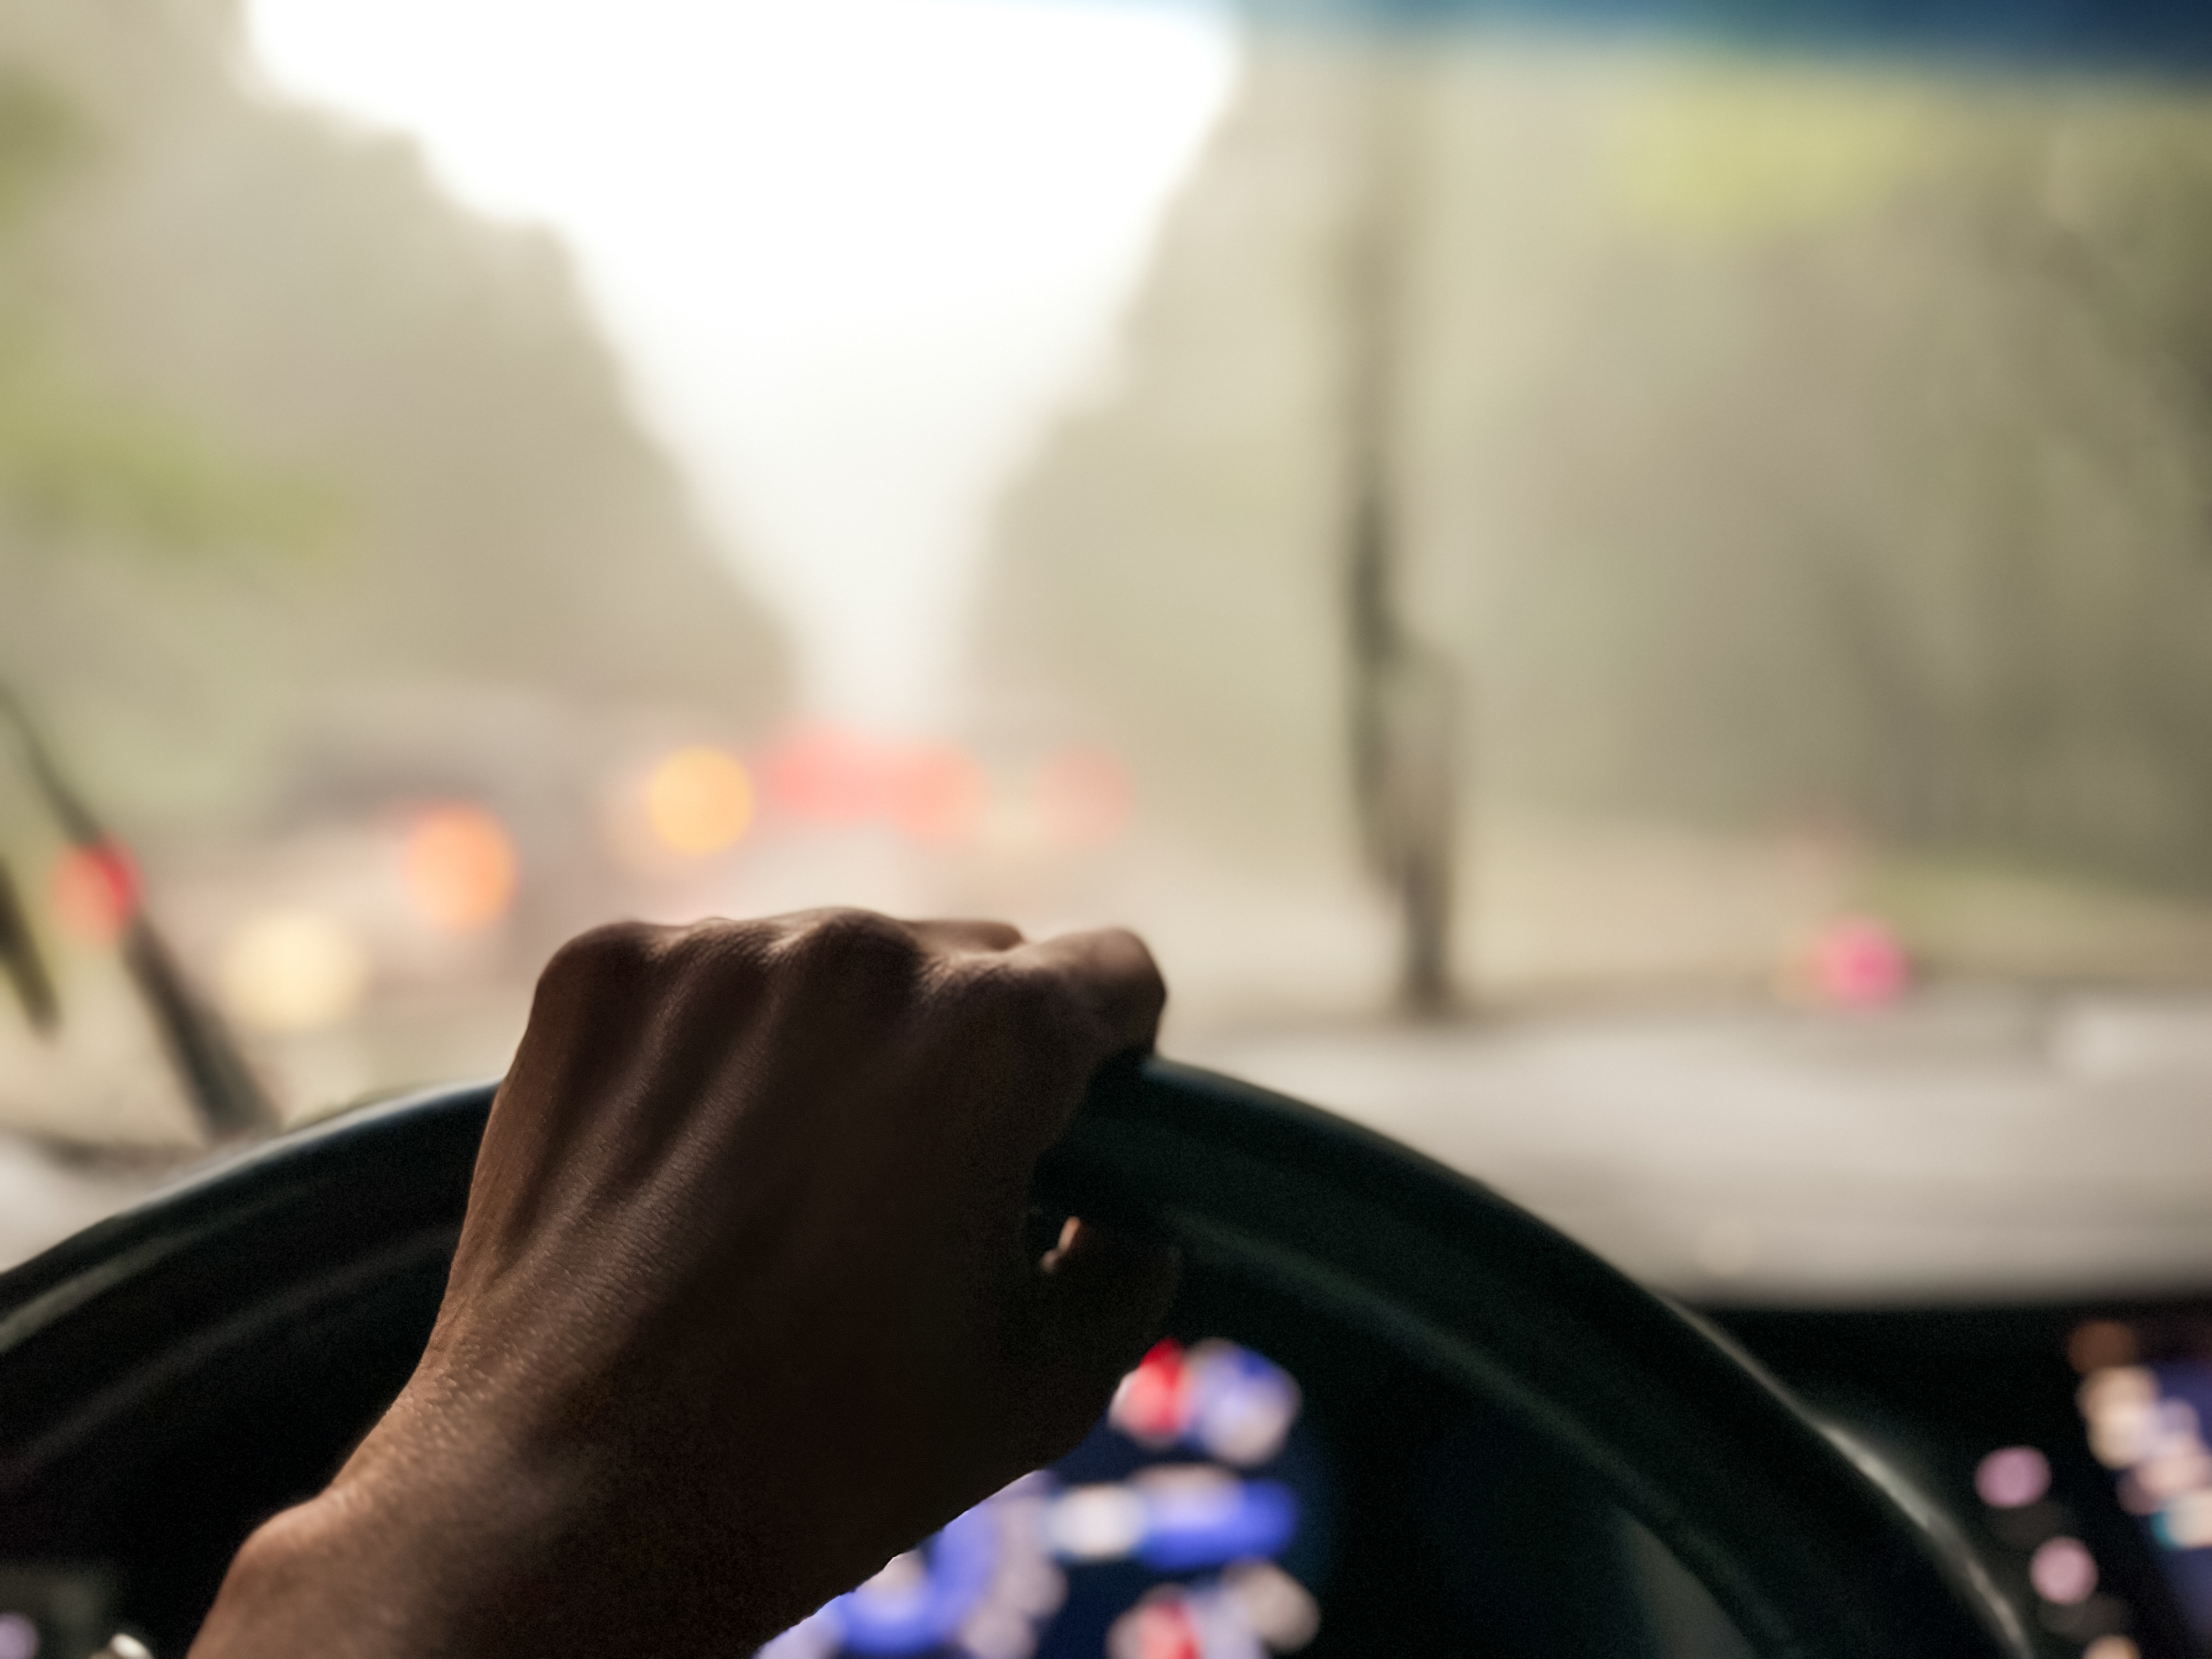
(741, 1307)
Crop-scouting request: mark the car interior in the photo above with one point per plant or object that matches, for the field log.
(1392, 1408)
(1621, 588)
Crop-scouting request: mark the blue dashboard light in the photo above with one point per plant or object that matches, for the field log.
(1212, 1524)
(1241, 1404)
(1216, 1398)
(914, 1606)
(1186, 1482)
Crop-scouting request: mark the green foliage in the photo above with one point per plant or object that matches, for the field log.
(40, 135)
(1785, 447)
(83, 464)
(76, 464)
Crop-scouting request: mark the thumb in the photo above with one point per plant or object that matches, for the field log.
(1100, 1296)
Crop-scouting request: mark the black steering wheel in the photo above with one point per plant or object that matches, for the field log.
(160, 1372)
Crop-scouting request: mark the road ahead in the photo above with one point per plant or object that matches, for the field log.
(1966, 1145)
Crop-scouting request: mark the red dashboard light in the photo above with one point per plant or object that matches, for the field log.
(1152, 1405)
(1159, 1627)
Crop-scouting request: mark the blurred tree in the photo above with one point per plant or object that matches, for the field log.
(77, 459)
(1823, 447)
(39, 132)
(242, 322)
(1787, 448)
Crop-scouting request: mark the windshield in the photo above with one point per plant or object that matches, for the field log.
(1634, 612)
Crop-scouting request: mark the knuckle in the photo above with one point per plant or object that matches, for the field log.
(639, 958)
(1142, 966)
(1149, 983)
(1027, 1004)
(852, 945)
(1133, 944)
(616, 954)
(708, 962)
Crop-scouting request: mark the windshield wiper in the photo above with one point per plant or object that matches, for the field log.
(19, 957)
(221, 1088)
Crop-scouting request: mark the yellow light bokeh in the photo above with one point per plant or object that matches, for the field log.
(699, 800)
(293, 970)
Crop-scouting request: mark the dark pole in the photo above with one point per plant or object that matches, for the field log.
(1404, 691)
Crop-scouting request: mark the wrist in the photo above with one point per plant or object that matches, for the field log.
(318, 1578)
(419, 1551)
(408, 1553)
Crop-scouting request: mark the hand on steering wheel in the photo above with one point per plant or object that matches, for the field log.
(742, 1305)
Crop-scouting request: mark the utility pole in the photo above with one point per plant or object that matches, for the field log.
(1404, 690)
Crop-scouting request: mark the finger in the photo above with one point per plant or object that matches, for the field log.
(962, 933)
(1113, 976)
(1102, 1296)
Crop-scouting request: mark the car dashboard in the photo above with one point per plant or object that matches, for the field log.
(2064, 1441)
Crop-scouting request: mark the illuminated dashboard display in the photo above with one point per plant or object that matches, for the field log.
(2146, 1423)
(1189, 1525)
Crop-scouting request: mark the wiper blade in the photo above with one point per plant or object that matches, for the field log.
(21, 960)
(221, 1088)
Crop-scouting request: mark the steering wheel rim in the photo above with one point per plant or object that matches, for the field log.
(1798, 1542)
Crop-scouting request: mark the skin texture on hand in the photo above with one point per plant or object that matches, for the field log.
(741, 1307)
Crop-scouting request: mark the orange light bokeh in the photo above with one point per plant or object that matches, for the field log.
(699, 800)
(457, 862)
(93, 889)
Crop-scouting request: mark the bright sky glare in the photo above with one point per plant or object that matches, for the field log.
(854, 254)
